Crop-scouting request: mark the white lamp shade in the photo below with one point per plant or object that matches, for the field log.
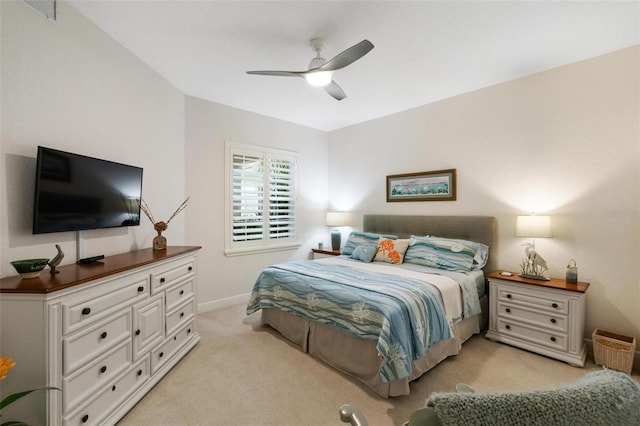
(336, 218)
(533, 226)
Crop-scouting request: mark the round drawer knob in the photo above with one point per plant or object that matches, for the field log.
(181, 292)
(85, 418)
(181, 314)
(508, 310)
(553, 339)
(553, 321)
(190, 268)
(103, 369)
(86, 311)
(103, 335)
(113, 388)
(139, 372)
(161, 354)
(508, 327)
(508, 296)
(162, 280)
(554, 305)
(137, 332)
(140, 289)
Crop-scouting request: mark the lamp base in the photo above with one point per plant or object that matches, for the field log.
(336, 236)
(535, 277)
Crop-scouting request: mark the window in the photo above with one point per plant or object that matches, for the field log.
(261, 199)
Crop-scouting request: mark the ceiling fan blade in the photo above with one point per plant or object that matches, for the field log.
(334, 90)
(348, 56)
(279, 73)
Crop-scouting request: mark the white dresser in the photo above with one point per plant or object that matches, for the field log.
(104, 333)
(546, 317)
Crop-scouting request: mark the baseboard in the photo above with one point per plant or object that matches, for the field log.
(223, 303)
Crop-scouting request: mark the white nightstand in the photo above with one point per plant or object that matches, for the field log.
(546, 317)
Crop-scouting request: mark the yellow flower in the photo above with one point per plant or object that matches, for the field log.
(6, 364)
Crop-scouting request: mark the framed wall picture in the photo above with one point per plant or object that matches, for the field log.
(439, 185)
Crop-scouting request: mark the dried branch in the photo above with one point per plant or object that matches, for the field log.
(179, 209)
(145, 209)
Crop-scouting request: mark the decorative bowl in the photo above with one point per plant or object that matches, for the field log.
(29, 268)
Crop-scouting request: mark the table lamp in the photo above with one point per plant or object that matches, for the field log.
(335, 220)
(533, 265)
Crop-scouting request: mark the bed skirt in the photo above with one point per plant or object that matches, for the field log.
(358, 357)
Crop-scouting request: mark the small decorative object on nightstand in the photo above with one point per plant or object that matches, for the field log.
(572, 272)
(546, 317)
(318, 253)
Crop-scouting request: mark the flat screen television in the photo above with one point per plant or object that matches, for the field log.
(74, 192)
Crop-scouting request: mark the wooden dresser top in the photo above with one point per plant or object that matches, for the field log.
(74, 274)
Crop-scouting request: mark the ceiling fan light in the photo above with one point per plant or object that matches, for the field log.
(319, 78)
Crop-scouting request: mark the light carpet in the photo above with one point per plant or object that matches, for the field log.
(245, 373)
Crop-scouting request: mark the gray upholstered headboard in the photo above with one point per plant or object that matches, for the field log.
(482, 229)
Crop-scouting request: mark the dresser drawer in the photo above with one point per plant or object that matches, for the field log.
(534, 298)
(99, 303)
(511, 312)
(111, 396)
(81, 385)
(162, 354)
(86, 345)
(168, 277)
(180, 316)
(557, 341)
(177, 295)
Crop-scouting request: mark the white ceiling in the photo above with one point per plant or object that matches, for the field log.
(424, 51)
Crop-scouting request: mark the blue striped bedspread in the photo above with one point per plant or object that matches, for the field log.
(405, 316)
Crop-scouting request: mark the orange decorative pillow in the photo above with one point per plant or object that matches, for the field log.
(391, 251)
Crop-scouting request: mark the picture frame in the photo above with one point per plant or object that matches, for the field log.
(438, 185)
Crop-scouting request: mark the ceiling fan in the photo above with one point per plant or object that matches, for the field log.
(320, 72)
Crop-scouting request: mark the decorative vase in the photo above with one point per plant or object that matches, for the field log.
(159, 242)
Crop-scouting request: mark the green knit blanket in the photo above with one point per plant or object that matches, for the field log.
(604, 398)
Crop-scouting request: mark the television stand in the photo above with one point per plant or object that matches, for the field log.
(103, 334)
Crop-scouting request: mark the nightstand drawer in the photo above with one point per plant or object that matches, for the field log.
(511, 312)
(534, 298)
(552, 340)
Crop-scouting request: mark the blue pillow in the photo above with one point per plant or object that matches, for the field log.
(363, 238)
(482, 250)
(442, 253)
(365, 252)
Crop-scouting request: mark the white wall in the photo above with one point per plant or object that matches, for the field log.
(67, 85)
(224, 280)
(564, 142)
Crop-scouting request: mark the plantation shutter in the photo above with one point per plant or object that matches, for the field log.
(281, 197)
(247, 196)
(261, 199)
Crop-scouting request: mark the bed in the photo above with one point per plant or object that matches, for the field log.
(373, 360)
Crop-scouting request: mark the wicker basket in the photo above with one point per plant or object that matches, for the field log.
(613, 350)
